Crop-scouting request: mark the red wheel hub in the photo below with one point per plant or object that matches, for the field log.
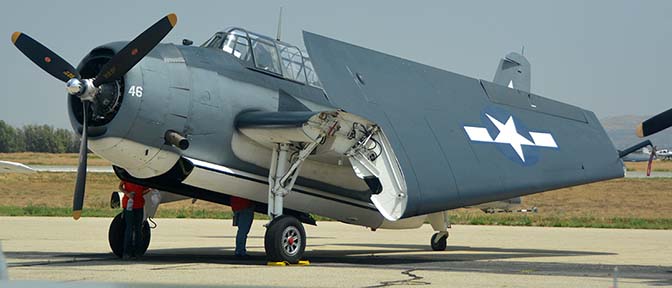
(290, 240)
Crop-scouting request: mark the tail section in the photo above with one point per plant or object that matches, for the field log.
(514, 72)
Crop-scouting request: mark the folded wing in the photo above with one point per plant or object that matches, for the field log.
(462, 141)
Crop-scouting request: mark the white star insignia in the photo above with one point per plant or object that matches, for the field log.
(508, 134)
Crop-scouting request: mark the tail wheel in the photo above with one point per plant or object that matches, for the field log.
(115, 236)
(285, 240)
(439, 244)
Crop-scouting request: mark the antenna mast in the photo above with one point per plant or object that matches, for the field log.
(277, 37)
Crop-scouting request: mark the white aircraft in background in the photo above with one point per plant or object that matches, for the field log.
(13, 167)
(664, 154)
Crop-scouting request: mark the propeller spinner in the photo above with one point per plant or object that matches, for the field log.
(87, 89)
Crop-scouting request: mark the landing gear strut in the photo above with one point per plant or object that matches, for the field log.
(440, 223)
(116, 236)
(285, 239)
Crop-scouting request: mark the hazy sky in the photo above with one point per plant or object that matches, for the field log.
(612, 57)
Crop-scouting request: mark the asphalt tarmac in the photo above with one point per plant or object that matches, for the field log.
(199, 252)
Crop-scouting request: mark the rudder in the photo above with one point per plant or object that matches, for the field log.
(514, 72)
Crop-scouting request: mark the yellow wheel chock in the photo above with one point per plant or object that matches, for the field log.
(285, 263)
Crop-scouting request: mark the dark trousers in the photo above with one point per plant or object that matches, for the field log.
(133, 233)
(243, 219)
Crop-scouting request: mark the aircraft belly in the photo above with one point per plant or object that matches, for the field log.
(246, 185)
(406, 223)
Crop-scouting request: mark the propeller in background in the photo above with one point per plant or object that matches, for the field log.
(87, 89)
(655, 124)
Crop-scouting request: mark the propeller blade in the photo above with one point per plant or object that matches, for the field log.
(655, 124)
(80, 186)
(135, 51)
(49, 61)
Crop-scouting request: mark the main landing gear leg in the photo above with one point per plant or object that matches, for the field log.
(285, 239)
(440, 222)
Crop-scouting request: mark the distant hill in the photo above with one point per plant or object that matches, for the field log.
(621, 130)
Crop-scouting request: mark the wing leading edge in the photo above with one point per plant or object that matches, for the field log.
(425, 110)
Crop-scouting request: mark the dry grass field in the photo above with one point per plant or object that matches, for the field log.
(631, 198)
(639, 198)
(55, 190)
(64, 159)
(71, 159)
(658, 165)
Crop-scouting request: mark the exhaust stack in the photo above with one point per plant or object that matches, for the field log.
(176, 139)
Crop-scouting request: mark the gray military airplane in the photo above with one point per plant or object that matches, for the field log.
(376, 140)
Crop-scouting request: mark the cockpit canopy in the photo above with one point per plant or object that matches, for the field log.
(266, 54)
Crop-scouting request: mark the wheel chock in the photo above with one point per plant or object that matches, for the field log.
(285, 263)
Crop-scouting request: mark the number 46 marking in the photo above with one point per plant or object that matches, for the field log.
(135, 91)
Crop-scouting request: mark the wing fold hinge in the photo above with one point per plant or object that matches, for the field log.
(326, 137)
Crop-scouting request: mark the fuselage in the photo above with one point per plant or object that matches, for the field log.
(198, 92)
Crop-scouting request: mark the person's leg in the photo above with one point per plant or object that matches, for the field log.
(245, 218)
(128, 233)
(137, 230)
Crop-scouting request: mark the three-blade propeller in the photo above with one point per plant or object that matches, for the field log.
(86, 89)
(655, 124)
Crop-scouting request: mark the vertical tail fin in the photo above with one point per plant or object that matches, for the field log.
(514, 71)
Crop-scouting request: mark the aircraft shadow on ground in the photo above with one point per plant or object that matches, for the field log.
(257, 237)
(356, 254)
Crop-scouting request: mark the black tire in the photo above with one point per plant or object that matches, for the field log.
(277, 243)
(115, 236)
(439, 245)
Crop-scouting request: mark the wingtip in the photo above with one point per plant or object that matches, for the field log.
(76, 214)
(172, 18)
(640, 131)
(15, 36)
